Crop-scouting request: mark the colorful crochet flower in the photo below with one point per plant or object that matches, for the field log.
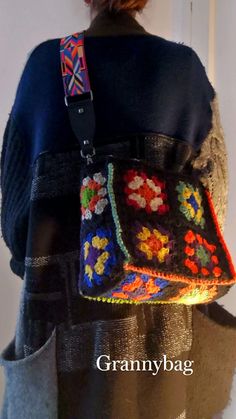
(195, 294)
(145, 193)
(154, 243)
(93, 195)
(201, 258)
(98, 256)
(139, 287)
(191, 203)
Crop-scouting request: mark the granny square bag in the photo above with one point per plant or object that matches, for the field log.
(147, 235)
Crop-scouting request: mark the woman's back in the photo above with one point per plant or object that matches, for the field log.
(142, 84)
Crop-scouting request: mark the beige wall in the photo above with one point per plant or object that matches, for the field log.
(225, 82)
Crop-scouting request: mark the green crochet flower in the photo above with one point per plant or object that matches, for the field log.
(191, 203)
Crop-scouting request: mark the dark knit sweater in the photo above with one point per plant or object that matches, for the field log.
(140, 84)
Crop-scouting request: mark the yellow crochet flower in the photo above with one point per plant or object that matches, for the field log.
(153, 244)
(99, 266)
(99, 256)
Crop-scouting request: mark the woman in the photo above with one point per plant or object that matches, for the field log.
(51, 364)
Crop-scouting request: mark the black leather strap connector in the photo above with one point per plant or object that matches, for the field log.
(82, 119)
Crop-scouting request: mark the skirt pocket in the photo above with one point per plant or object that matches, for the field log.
(214, 355)
(31, 382)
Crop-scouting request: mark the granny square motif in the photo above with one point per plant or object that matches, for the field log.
(149, 237)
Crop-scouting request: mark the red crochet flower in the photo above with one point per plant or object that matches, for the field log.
(143, 192)
(201, 256)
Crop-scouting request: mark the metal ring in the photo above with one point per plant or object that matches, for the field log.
(88, 155)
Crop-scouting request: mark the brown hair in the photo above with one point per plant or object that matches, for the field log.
(119, 5)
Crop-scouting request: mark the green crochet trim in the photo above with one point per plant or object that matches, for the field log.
(119, 301)
(114, 211)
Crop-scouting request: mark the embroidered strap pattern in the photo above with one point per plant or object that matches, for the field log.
(73, 65)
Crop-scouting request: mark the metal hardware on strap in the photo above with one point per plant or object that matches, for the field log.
(88, 157)
(76, 98)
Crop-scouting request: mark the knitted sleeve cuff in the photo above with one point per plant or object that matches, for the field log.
(17, 267)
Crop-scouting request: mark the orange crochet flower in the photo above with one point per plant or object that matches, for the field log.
(139, 287)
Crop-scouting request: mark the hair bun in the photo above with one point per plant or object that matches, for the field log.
(120, 5)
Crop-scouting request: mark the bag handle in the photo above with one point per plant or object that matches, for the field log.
(78, 93)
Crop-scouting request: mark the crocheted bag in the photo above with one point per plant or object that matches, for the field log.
(147, 236)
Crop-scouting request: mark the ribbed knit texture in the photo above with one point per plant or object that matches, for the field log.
(15, 188)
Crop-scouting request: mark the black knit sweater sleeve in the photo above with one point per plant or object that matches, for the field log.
(15, 192)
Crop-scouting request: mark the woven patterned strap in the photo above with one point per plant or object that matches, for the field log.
(78, 94)
(73, 65)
